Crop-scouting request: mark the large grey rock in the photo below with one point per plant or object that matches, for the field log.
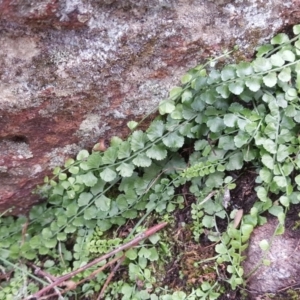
(73, 71)
(284, 269)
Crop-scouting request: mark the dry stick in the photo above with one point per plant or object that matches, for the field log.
(94, 273)
(113, 272)
(39, 271)
(49, 277)
(126, 246)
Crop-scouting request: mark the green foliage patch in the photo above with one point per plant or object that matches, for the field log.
(244, 114)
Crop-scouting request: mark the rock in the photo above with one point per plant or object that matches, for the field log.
(284, 268)
(75, 71)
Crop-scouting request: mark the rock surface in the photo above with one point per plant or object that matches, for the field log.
(284, 269)
(76, 70)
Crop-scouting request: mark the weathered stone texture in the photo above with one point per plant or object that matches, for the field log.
(284, 269)
(76, 70)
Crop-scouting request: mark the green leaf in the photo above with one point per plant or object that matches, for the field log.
(62, 176)
(214, 76)
(157, 152)
(228, 73)
(154, 238)
(244, 69)
(142, 160)
(251, 127)
(153, 254)
(288, 55)
(264, 245)
(200, 144)
(291, 94)
(246, 229)
(223, 90)
(186, 96)
(186, 78)
(198, 104)
(275, 210)
(124, 150)
(84, 198)
(125, 169)
(270, 130)
(177, 113)
(82, 155)
(230, 120)
(236, 87)
(266, 262)
(215, 124)
(285, 75)
(267, 160)
(296, 29)
(209, 96)
(47, 233)
(110, 155)
(94, 160)
(280, 181)
(235, 162)
(173, 140)
(297, 180)
(221, 249)
(226, 143)
(132, 125)
(138, 140)
(241, 139)
(290, 111)
(250, 154)
(130, 214)
(287, 168)
(69, 162)
(198, 83)
(103, 203)
(208, 221)
(215, 179)
(90, 213)
(265, 175)
(155, 130)
(253, 83)
(89, 179)
(98, 187)
(175, 92)
(270, 146)
(282, 153)
(166, 107)
(284, 201)
(115, 141)
(131, 254)
(297, 116)
(280, 39)
(61, 236)
(108, 175)
(261, 64)
(264, 49)
(262, 194)
(277, 60)
(270, 80)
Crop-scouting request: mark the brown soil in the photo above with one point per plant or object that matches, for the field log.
(181, 273)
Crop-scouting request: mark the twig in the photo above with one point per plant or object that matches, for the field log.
(49, 278)
(126, 246)
(94, 273)
(108, 279)
(207, 197)
(39, 271)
